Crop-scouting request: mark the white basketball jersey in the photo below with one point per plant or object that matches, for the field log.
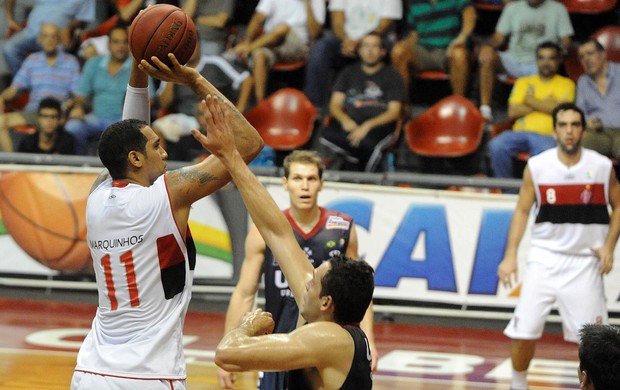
(572, 214)
(144, 276)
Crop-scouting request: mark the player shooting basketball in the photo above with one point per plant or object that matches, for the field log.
(144, 280)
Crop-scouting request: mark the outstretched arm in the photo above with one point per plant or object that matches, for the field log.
(189, 184)
(266, 215)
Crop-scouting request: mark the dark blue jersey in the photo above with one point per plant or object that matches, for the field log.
(328, 238)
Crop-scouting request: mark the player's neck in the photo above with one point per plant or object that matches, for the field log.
(569, 159)
(306, 218)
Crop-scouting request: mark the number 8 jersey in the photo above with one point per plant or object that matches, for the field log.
(144, 272)
(571, 214)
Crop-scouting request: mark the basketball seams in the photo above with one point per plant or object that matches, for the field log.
(163, 31)
(150, 41)
(154, 31)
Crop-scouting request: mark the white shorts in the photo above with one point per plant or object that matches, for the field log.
(87, 380)
(573, 282)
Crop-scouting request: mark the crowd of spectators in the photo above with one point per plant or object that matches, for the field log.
(77, 53)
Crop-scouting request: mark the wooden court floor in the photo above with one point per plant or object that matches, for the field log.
(39, 340)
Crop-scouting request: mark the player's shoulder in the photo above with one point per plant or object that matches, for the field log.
(336, 219)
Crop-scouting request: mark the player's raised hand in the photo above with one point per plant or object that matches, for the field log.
(178, 73)
(219, 139)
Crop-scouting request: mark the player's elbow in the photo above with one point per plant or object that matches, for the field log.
(226, 359)
(253, 147)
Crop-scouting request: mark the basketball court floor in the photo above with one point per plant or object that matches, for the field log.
(39, 340)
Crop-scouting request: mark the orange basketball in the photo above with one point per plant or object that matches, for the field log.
(161, 29)
(45, 213)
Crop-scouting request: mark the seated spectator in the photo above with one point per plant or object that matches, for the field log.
(103, 83)
(531, 103)
(68, 15)
(211, 19)
(599, 357)
(351, 20)
(50, 137)
(365, 103)
(287, 27)
(439, 39)
(598, 95)
(528, 24)
(47, 73)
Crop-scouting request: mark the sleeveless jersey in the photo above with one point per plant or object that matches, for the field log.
(328, 238)
(144, 272)
(360, 374)
(572, 216)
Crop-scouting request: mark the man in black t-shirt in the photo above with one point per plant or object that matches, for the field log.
(365, 103)
(50, 136)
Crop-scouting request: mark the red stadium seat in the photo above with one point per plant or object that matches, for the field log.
(589, 6)
(285, 120)
(452, 127)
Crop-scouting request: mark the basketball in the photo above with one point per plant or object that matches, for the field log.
(45, 213)
(161, 29)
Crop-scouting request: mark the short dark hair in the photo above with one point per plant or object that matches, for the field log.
(50, 102)
(599, 46)
(120, 25)
(350, 283)
(310, 157)
(117, 141)
(567, 107)
(599, 355)
(549, 45)
(376, 34)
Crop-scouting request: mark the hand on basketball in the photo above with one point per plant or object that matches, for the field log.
(507, 271)
(606, 258)
(259, 322)
(180, 74)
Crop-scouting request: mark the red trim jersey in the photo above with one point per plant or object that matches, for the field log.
(144, 271)
(572, 214)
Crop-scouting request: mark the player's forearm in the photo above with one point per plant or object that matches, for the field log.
(248, 141)
(515, 234)
(272, 225)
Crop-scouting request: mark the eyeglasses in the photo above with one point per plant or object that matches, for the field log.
(49, 116)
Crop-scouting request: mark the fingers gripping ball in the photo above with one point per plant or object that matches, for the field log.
(161, 29)
(45, 213)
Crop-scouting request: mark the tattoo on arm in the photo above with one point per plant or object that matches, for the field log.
(191, 175)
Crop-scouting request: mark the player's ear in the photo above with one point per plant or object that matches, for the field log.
(584, 380)
(135, 159)
(327, 303)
